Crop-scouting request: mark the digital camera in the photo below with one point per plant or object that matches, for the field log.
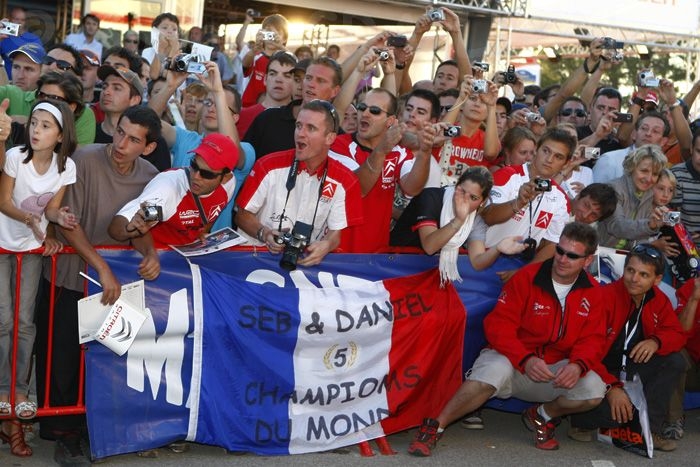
(590, 152)
(452, 131)
(483, 66)
(152, 213)
(610, 44)
(186, 63)
(543, 184)
(294, 244)
(268, 35)
(253, 13)
(383, 54)
(532, 116)
(510, 74)
(648, 80)
(671, 218)
(436, 14)
(480, 86)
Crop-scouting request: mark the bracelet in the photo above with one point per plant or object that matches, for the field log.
(514, 206)
(595, 67)
(259, 235)
(675, 104)
(369, 166)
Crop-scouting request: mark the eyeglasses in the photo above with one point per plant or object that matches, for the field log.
(445, 108)
(210, 102)
(328, 107)
(580, 113)
(645, 249)
(205, 174)
(43, 97)
(131, 41)
(568, 254)
(60, 64)
(373, 109)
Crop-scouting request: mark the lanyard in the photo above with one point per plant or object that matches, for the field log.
(629, 333)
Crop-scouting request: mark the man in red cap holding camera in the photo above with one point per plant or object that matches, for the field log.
(180, 205)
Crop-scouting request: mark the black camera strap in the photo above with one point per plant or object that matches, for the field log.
(291, 183)
(529, 228)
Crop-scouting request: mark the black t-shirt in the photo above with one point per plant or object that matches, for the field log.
(160, 157)
(272, 130)
(426, 207)
(613, 359)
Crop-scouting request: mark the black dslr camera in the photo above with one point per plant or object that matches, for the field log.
(294, 244)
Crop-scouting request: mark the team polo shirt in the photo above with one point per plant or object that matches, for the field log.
(182, 222)
(373, 234)
(256, 85)
(549, 211)
(265, 191)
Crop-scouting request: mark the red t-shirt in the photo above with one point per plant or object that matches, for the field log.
(246, 117)
(256, 85)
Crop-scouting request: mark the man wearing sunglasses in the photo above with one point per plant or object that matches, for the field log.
(573, 111)
(644, 337)
(62, 58)
(131, 41)
(545, 336)
(188, 202)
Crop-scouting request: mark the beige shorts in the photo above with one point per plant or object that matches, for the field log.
(496, 370)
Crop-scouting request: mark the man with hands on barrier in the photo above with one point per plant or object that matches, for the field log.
(301, 195)
(644, 337)
(180, 205)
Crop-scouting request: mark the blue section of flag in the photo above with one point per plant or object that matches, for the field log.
(248, 370)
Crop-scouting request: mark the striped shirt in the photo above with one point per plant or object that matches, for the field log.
(687, 196)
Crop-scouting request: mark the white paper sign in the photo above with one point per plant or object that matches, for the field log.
(120, 326)
(92, 313)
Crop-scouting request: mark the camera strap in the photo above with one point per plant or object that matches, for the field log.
(202, 215)
(529, 228)
(291, 183)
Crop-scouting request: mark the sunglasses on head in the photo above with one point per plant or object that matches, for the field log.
(647, 250)
(205, 174)
(578, 112)
(328, 107)
(60, 64)
(42, 96)
(373, 109)
(568, 254)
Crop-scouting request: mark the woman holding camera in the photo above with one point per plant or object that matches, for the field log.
(444, 219)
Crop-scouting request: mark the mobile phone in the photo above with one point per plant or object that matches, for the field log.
(623, 118)
(397, 41)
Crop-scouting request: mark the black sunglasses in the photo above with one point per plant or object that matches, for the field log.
(42, 96)
(60, 64)
(648, 250)
(568, 254)
(445, 108)
(131, 41)
(205, 174)
(578, 112)
(373, 109)
(328, 107)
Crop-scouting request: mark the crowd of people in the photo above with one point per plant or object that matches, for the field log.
(129, 146)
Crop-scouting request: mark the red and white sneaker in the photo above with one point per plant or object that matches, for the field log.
(544, 431)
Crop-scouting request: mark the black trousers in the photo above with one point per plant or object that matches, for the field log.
(65, 363)
(660, 375)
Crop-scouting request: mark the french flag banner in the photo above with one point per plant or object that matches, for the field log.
(289, 370)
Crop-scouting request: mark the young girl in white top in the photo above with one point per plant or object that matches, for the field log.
(32, 185)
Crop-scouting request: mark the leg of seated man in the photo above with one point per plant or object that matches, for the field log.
(490, 376)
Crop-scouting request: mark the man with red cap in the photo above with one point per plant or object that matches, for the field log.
(180, 205)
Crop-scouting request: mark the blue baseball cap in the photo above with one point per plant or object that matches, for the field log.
(34, 51)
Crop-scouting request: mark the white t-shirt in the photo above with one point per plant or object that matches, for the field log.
(31, 193)
(549, 211)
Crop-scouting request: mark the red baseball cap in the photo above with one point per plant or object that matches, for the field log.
(218, 151)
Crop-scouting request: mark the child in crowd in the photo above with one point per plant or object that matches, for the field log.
(518, 148)
(168, 26)
(32, 185)
(664, 190)
(256, 60)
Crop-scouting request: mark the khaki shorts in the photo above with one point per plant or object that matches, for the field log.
(496, 370)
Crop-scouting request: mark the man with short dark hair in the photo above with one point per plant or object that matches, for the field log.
(644, 337)
(85, 39)
(573, 111)
(108, 175)
(130, 41)
(594, 203)
(524, 359)
(600, 129)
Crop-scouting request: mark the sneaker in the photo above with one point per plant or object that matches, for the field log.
(544, 431)
(473, 421)
(426, 438)
(663, 444)
(582, 435)
(68, 451)
(673, 430)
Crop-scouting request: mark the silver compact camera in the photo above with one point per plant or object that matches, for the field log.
(671, 218)
(268, 35)
(532, 116)
(383, 54)
(436, 14)
(483, 66)
(480, 86)
(590, 152)
(452, 131)
(648, 80)
(152, 213)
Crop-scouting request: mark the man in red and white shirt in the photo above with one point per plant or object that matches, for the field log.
(301, 185)
(519, 208)
(375, 155)
(189, 201)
